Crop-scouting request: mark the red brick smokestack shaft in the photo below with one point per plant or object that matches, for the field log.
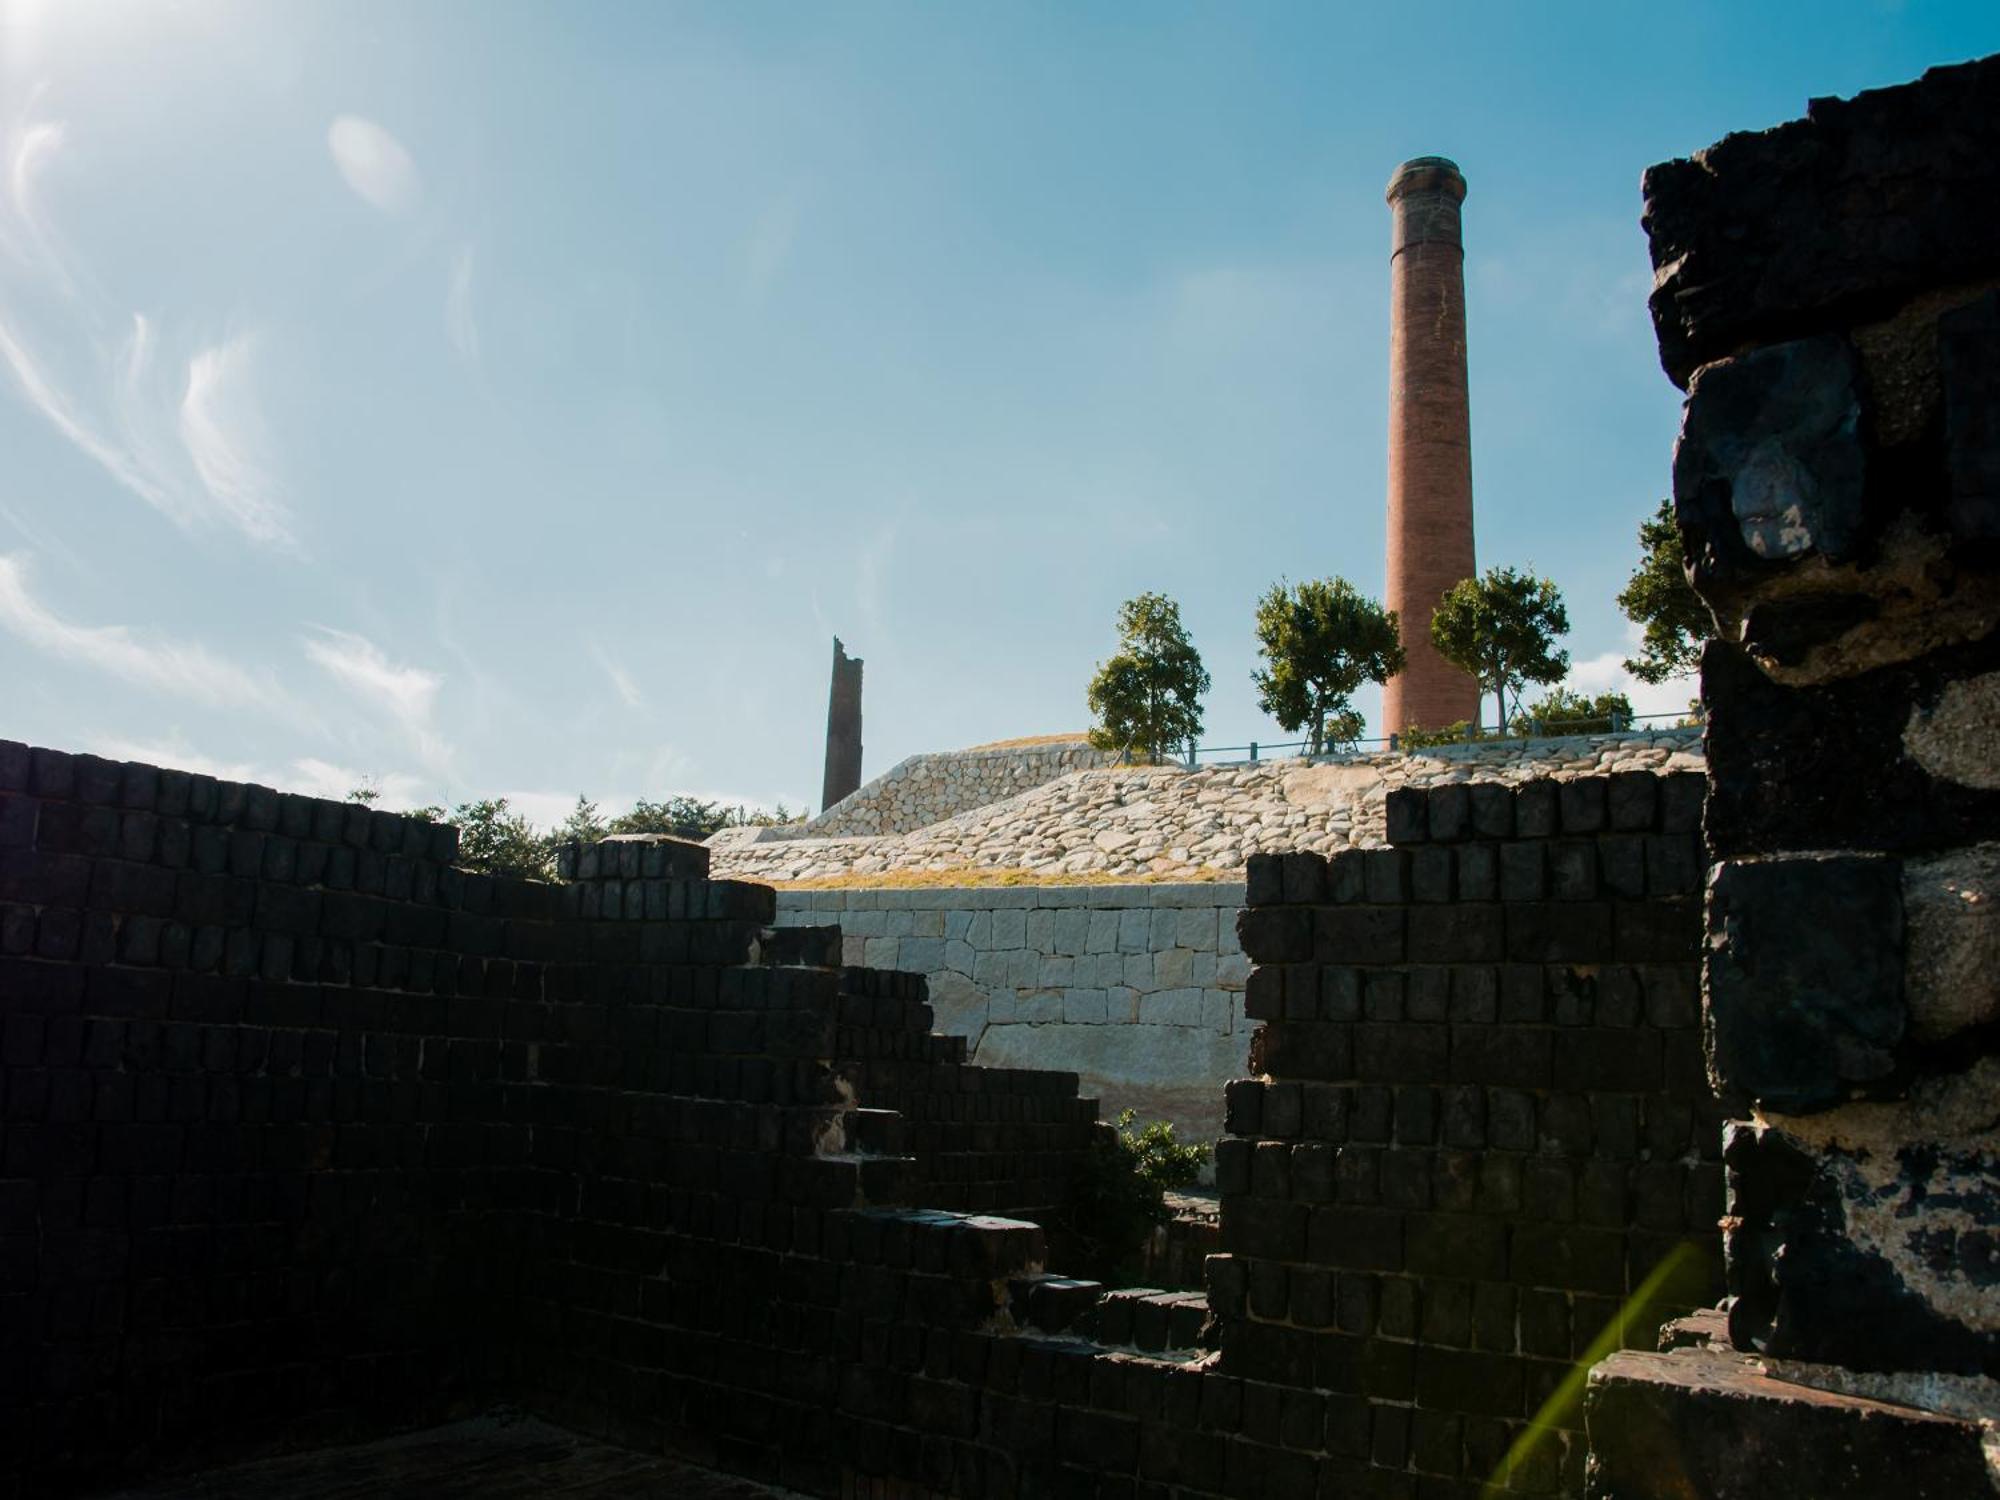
(1430, 438)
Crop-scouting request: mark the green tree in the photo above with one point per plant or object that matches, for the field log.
(1500, 628)
(1148, 695)
(1659, 599)
(583, 826)
(1566, 712)
(1321, 640)
(495, 839)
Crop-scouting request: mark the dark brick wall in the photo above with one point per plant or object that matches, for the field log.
(309, 1133)
(1483, 1120)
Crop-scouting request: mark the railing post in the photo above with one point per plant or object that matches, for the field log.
(1253, 752)
(1618, 724)
(1190, 758)
(1393, 737)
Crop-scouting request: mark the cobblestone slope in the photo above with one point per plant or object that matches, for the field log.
(1166, 822)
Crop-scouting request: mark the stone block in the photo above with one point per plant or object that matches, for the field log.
(1010, 929)
(1072, 931)
(1176, 1007)
(1196, 928)
(1172, 968)
(1039, 930)
(919, 955)
(1969, 360)
(1085, 1007)
(1406, 812)
(1135, 931)
(1802, 1009)
(1219, 1009)
(1102, 934)
(1705, 1420)
(1056, 972)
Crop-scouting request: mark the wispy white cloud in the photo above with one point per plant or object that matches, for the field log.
(404, 695)
(374, 163)
(621, 680)
(40, 391)
(177, 668)
(460, 324)
(31, 145)
(187, 449)
(218, 424)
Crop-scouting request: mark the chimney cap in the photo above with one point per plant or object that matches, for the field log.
(1427, 174)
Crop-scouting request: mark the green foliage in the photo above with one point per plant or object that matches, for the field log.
(1464, 732)
(1147, 697)
(1321, 640)
(1119, 1195)
(1565, 712)
(496, 840)
(1500, 628)
(1659, 598)
(692, 818)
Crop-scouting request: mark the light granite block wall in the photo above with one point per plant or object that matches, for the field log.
(1137, 988)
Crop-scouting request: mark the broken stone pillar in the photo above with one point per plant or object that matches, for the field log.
(1826, 294)
(1430, 439)
(843, 729)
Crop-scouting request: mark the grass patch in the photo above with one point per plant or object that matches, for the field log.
(974, 876)
(1028, 740)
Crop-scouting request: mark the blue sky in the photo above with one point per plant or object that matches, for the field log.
(499, 398)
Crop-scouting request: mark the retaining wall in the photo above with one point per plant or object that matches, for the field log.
(926, 789)
(1138, 989)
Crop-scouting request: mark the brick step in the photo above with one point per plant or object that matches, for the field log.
(873, 1044)
(1149, 1319)
(894, 1014)
(934, 1241)
(1051, 1304)
(847, 1180)
(876, 1132)
(809, 947)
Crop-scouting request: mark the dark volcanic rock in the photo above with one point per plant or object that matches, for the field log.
(1805, 977)
(1838, 217)
(1824, 767)
(1702, 1421)
(1969, 356)
(1769, 466)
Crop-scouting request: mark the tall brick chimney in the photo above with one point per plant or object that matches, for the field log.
(1430, 438)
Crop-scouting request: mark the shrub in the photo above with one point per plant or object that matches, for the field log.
(1119, 1196)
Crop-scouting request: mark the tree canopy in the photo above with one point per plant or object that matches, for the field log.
(1566, 712)
(1147, 696)
(1659, 598)
(1321, 640)
(1500, 628)
(495, 839)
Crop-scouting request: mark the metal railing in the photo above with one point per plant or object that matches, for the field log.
(1540, 729)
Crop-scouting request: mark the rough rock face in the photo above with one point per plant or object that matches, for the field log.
(1826, 222)
(1824, 293)
(1165, 822)
(927, 788)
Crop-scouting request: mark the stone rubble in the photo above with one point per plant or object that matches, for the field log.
(1170, 823)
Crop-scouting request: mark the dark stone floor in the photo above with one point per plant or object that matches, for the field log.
(495, 1457)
